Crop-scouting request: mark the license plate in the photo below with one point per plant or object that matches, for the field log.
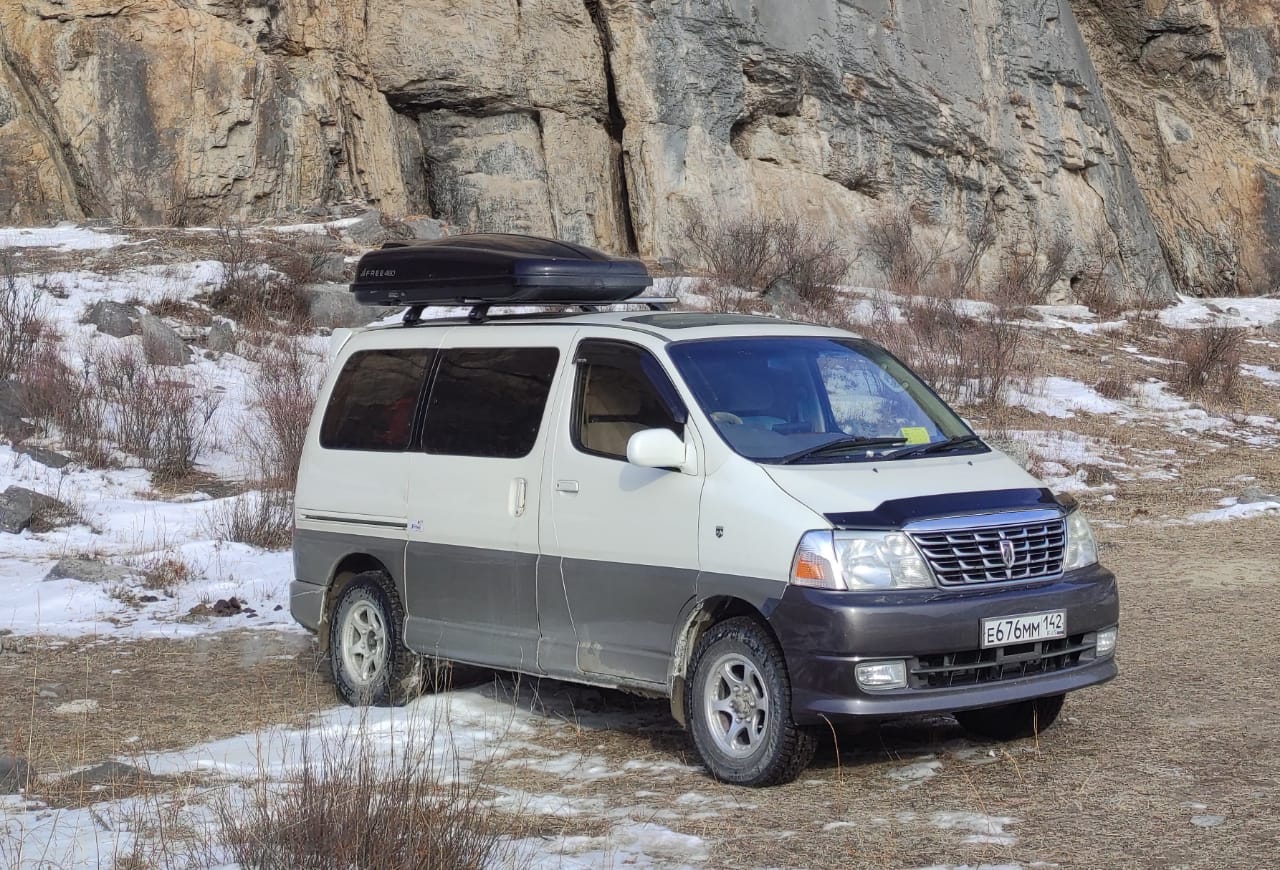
(1027, 628)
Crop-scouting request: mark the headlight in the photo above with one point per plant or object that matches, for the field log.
(1082, 549)
(859, 560)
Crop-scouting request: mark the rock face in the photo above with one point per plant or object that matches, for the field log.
(606, 121)
(1195, 88)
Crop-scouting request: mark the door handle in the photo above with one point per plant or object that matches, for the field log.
(519, 488)
(566, 486)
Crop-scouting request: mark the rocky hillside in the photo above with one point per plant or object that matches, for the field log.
(607, 121)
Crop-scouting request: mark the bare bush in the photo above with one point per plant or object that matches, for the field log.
(1208, 359)
(262, 518)
(1114, 387)
(67, 397)
(284, 396)
(252, 290)
(352, 808)
(158, 418)
(112, 399)
(23, 324)
(779, 258)
(970, 352)
(904, 253)
(1030, 271)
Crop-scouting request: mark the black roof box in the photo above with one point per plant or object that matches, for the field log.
(494, 269)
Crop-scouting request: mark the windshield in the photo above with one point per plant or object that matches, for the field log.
(816, 400)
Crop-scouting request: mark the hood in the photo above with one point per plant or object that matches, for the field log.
(875, 494)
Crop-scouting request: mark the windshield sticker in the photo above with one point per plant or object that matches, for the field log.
(915, 434)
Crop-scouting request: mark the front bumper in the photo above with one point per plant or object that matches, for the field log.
(825, 634)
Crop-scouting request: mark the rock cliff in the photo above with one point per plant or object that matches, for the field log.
(606, 121)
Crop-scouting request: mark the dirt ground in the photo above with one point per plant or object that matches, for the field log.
(1174, 764)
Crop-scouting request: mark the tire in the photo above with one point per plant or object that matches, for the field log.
(370, 663)
(1012, 721)
(739, 703)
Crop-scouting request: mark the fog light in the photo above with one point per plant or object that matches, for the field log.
(882, 675)
(1106, 642)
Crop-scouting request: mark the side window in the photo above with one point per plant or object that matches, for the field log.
(488, 401)
(373, 400)
(620, 390)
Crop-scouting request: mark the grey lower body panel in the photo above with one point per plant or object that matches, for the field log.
(306, 603)
(825, 634)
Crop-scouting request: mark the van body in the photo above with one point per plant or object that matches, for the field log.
(776, 525)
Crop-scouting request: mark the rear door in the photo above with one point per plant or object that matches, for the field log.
(625, 537)
(474, 496)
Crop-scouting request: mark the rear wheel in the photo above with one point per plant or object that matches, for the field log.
(739, 703)
(1012, 721)
(370, 663)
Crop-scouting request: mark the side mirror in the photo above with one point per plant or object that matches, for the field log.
(656, 448)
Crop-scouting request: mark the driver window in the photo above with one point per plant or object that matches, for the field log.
(620, 391)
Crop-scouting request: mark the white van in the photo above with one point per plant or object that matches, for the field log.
(776, 525)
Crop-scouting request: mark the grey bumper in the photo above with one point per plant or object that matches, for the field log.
(306, 601)
(825, 634)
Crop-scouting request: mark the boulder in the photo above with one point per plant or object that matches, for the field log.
(13, 408)
(333, 306)
(88, 571)
(15, 774)
(221, 337)
(19, 505)
(109, 773)
(112, 318)
(161, 343)
(373, 228)
(44, 457)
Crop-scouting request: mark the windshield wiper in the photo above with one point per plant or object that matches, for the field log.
(935, 447)
(838, 445)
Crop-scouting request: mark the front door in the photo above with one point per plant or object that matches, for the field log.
(625, 537)
(474, 489)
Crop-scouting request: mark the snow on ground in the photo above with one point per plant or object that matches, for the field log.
(63, 237)
(1192, 313)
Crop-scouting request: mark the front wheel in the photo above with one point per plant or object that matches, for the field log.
(1012, 721)
(739, 703)
(370, 663)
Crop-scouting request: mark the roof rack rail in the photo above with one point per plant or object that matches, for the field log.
(479, 310)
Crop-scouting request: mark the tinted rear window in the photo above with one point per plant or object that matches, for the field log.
(488, 401)
(373, 400)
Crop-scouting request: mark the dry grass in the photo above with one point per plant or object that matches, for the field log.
(352, 805)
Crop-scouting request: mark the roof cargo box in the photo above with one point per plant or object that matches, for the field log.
(494, 269)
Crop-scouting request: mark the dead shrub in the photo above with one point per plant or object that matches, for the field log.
(284, 395)
(67, 398)
(262, 518)
(970, 352)
(1030, 271)
(1114, 388)
(777, 258)
(899, 244)
(113, 399)
(23, 324)
(251, 290)
(351, 808)
(160, 419)
(1208, 359)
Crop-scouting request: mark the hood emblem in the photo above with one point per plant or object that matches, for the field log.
(1007, 554)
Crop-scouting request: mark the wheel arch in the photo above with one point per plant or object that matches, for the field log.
(702, 616)
(344, 573)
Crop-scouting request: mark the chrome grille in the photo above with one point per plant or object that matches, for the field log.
(961, 557)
